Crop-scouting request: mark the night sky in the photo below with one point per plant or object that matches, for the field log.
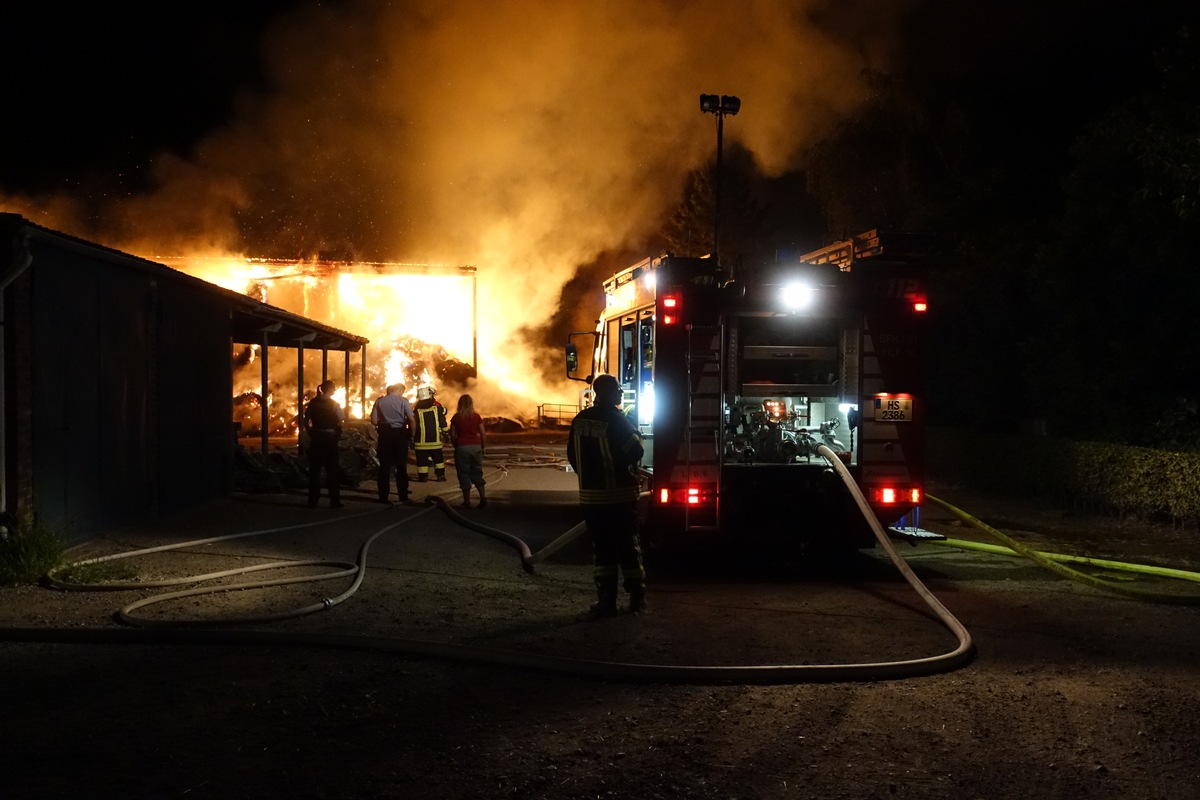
(96, 92)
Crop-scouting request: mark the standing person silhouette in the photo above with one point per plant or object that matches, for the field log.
(392, 415)
(429, 429)
(603, 448)
(323, 420)
(469, 439)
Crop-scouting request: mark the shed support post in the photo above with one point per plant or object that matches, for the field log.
(362, 392)
(299, 389)
(265, 390)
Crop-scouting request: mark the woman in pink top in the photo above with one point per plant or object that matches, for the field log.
(467, 435)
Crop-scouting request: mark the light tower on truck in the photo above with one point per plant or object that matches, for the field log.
(719, 106)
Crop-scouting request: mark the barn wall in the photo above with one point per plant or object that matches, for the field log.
(194, 397)
(117, 382)
(132, 393)
(92, 421)
(18, 395)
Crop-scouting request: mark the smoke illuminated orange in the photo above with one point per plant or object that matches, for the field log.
(523, 139)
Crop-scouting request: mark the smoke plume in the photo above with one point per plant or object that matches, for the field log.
(522, 138)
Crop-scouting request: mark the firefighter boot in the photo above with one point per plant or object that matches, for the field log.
(441, 475)
(482, 499)
(605, 606)
(466, 503)
(637, 602)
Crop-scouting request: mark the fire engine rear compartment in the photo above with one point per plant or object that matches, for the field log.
(737, 390)
(786, 388)
(782, 380)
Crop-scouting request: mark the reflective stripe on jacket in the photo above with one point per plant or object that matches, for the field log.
(430, 425)
(603, 448)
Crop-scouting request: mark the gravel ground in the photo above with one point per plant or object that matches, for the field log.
(452, 672)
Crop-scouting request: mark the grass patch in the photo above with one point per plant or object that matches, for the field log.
(102, 572)
(28, 551)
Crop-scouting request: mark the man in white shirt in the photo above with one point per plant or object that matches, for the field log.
(393, 416)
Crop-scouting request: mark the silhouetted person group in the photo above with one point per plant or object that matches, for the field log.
(399, 425)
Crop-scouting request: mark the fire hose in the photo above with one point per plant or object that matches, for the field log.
(209, 632)
(126, 615)
(794, 673)
(1056, 562)
(342, 569)
(147, 631)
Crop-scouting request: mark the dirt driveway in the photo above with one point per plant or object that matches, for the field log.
(452, 672)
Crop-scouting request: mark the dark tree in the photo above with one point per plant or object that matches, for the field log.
(1120, 283)
(761, 215)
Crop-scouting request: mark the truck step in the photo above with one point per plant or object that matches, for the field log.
(915, 535)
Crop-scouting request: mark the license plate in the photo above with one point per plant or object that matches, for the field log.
(893, 409)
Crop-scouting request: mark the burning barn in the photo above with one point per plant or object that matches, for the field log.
(117, 380)
(421, 320)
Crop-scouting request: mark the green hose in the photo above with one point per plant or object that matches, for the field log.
(1056, 562)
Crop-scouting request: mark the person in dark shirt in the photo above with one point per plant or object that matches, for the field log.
(603, 449)
(323, 420)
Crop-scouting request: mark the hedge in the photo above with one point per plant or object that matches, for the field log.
(1136, 481)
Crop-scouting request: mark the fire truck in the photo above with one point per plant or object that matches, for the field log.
(734, 386)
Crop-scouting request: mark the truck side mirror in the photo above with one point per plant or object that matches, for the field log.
(572, 358)
(574, 367)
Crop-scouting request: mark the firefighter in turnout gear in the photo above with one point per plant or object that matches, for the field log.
(429, 431)
(603, 448)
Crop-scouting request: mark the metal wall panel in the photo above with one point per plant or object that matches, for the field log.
(132, 387)
(195, 398)
(91, 393)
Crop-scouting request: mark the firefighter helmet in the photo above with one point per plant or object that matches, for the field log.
(425, 392)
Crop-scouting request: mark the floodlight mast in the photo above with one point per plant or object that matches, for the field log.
(720, 106)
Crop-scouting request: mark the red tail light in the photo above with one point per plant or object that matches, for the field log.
(892, 495)
(670, 309)
(697, 495)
